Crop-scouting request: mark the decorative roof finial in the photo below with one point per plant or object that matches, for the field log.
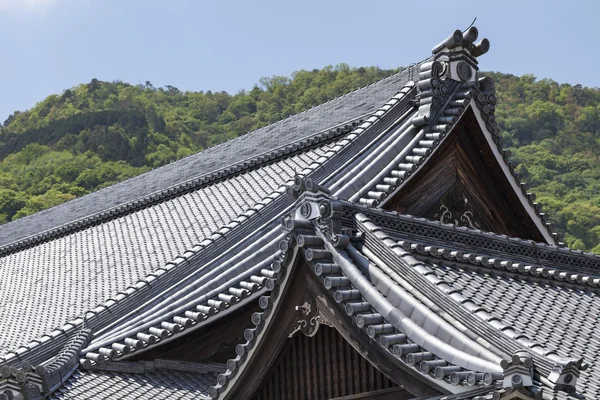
(464, 41)
(450, 42)
(480, 48)
(518, 379)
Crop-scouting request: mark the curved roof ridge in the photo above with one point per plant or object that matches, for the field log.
(460, 307)
(475, 358)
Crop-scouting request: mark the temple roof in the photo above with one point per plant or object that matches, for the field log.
(124, 271)
(160, 379)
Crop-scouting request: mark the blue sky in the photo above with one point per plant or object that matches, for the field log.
(50, 45)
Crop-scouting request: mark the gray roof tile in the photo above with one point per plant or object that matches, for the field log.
(556, 314)
(75, 273)
(320, 118)
(563, 318)
(158, 384)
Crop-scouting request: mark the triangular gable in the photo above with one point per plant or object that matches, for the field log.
(449, 136)
(299, 306)
(463, 183)
(384, 282)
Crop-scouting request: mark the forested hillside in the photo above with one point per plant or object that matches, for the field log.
(100, 133)
(553, 131)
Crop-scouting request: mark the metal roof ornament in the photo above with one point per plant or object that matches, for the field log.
(309, 320)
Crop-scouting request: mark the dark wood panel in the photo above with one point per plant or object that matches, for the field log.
(465, 162)
(215, 342)
(395, 393)
(484, 182)
(434, 179)
(307, 362)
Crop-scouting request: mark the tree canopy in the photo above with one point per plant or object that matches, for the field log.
(553, 131)
(100, 133)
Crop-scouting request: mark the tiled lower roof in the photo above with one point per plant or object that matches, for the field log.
(430, 346)
(156, 385)
(566, 319)
(74, 273)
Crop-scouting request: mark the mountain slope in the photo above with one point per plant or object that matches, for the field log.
(100, 133)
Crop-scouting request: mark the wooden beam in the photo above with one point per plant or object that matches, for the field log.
(382, 394)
